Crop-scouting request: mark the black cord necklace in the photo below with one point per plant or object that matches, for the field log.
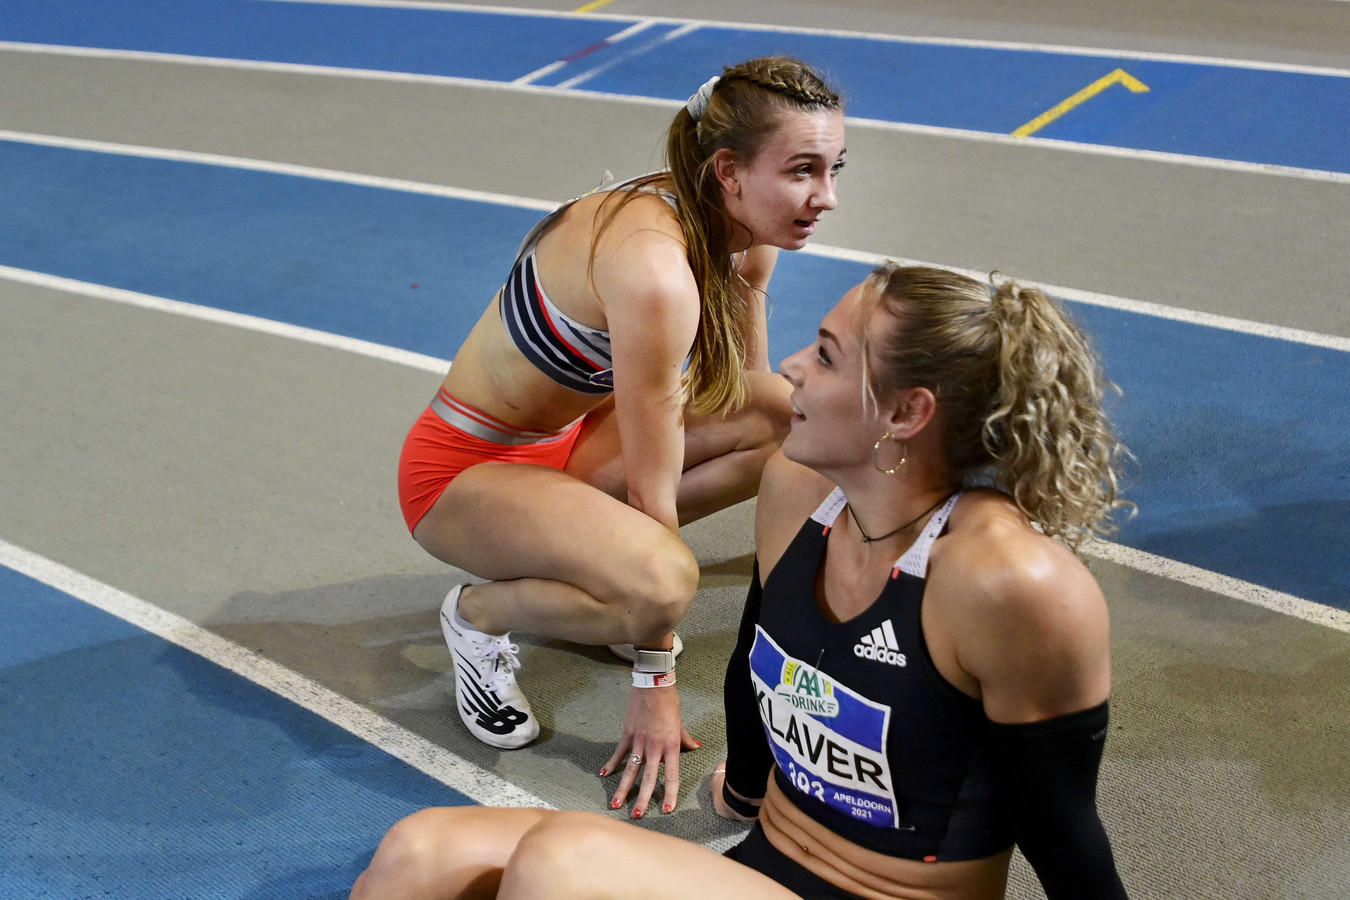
(873, 540)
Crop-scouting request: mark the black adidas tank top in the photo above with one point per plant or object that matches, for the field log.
(864, 733)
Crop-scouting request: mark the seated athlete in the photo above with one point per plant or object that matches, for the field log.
(922, 672)
(617, 387)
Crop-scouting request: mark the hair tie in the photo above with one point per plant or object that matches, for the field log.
(699, 102)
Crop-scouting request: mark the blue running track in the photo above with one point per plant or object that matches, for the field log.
(106, 731)
(1254, 115)
(136, 769)
(1272, 509)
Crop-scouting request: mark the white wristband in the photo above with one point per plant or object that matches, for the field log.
(653, 660)
(653, 679)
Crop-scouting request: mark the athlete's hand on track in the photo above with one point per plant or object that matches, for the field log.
(653, 736)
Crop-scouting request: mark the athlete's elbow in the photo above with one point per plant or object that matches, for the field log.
(658, 505)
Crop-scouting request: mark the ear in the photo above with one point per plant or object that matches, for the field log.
(914, 410)
(726, 169)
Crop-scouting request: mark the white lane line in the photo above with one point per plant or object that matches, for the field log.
(253, 65)
(276, 168)
(1061, 49)
(1156, 310)
(607, 42)
(225, 317)
(475, 782)
(1223, 585)
(1158, 156)
(639, 50)
(1316, 612)
(1140, 307)
(961, 134)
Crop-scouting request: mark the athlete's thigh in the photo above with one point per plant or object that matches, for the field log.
(619, 860)
(597, 456)
(503, 521)
(762, 421)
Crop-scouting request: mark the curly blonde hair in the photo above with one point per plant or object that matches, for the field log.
(1018, 386)
(742, 113)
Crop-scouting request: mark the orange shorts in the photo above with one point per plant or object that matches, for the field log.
(451, 436)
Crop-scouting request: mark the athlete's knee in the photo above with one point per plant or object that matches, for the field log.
(660, 587)
(561, 857)
(771, 406)
(404, 860)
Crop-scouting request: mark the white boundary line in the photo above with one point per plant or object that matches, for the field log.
(1212, 320)
(1063, 49)
(1184, 573)
(1231, 587)
(1141, 307)
(556, 91)
(566, 89)
(473, 781)
(225, 317)
(1215, 583)
(276, 168)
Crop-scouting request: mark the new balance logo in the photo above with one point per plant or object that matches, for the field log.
(881, 646)
(486, 706)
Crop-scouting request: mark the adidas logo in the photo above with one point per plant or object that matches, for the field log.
(880, 646)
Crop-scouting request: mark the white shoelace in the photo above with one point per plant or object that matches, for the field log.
(502, 654)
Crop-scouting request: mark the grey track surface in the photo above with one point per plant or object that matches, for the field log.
(1291, 32)
(1102, 223)
(246, 481)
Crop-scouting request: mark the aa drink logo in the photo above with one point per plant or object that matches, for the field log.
(804, 688)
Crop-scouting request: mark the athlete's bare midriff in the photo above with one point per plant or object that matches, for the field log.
(490, 374)
(874, 875)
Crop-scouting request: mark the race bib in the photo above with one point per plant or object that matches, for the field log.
(828, 740)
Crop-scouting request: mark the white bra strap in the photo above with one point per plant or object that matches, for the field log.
(830, 508)
(915, 560)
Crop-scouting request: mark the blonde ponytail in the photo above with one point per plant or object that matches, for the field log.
(1019, 392)
(1056, 453)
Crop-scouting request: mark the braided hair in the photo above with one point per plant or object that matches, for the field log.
(740, 112)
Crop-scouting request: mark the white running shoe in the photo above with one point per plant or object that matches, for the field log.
(626, 652)
(490, 702)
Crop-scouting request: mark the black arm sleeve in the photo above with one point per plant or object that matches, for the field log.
(749, 760)
(1047, 779)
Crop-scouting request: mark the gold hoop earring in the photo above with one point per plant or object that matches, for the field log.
(904, 454)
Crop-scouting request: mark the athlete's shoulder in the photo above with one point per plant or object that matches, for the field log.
(1000, 558)
(788, 494)
(1026, 618)
(641, 203)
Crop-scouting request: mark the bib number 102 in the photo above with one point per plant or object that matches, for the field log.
(805, 783)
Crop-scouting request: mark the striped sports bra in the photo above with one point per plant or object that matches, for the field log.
(574, 355)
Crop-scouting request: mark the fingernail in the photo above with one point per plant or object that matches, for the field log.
(668, 808)
(637, 813)
(697, 742)
(604, 772)
(614, 804)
